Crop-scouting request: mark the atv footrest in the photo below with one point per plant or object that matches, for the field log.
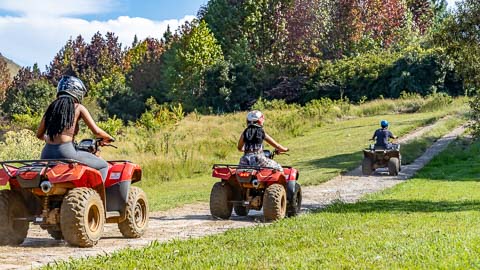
(244, 203)
(113, 214)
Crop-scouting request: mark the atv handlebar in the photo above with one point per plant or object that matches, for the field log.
(93, 145)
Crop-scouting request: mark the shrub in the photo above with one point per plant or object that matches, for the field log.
(436, 102)
(28, 120)
(20, 145)
(112, 126)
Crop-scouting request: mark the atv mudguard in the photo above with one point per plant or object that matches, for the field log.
(291, 175)
(121, 174)
(4, 177)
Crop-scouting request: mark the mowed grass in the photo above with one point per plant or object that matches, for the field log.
(429, 222)
(320, 154)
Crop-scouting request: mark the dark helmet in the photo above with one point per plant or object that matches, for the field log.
(72, 86)
(384, 123)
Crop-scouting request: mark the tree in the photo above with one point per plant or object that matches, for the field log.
(4, 78)
(30, 92)
(460, 36)
(187, 61)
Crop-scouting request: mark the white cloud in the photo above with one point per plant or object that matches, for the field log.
(27, 40)
(33, 8)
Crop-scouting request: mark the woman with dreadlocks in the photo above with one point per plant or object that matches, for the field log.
(59, 126)
(251, 143)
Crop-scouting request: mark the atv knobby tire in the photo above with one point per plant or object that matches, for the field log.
(55, 234)
(393, 166)
(137, 214)
(295, 205)
(12, 205)
(221, 200)
(367, 166)
(274, 202)
(241, 210)
(82, 217)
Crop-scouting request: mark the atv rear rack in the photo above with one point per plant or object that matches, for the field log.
(236, 166)
(36, 162)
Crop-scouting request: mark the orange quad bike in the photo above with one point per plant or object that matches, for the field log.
(70, 200)
(253, 187)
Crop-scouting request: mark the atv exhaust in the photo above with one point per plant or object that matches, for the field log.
(46, 186)
(255, 183)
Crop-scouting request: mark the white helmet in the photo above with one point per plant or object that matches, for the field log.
(255, 117)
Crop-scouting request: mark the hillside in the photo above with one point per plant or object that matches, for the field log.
(12, 66)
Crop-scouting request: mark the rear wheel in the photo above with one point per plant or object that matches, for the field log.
(221, 200)
(136, 222)
(82, 217)
(274, 202)
(393, 166)
(12, 207)
(367, 166)
(295, 205)
(241, 210)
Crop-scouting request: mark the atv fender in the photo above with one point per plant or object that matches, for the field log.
(5, 177)
(291, 190)
(117, 196)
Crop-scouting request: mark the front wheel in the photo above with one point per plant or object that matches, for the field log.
(82, 217)
(295, 205)
(136, 222)
(13, 230)
(221, 200)
(274, 202)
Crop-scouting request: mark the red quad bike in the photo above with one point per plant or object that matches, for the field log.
(252, 187)
(70, 200)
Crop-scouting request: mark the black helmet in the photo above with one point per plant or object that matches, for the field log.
(72, 86)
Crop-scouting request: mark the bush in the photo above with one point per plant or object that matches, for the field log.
(20, 145)
(158, 116)
(436, 102)
(112, 126)
(26, 121)
(384, 73)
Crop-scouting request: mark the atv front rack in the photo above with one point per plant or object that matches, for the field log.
(236, 166)
(36, 162)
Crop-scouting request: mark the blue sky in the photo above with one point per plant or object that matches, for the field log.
(33, 31)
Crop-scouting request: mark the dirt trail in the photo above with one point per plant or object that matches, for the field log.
(195, 220)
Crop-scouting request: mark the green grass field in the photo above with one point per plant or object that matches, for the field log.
(322, 153)
(429, 222)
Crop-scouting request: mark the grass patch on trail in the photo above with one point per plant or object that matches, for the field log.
(429, 222)
(320, 154)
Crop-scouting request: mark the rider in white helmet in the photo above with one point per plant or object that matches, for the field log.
(251, 142)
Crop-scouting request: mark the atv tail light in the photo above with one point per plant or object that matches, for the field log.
(244, 174)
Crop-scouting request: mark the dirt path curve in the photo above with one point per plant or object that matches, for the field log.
(195, 220)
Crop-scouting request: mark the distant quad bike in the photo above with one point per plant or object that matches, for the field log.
(69, 199)
(376, 157)
(252, 187)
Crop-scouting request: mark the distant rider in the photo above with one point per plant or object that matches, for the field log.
(382, 135)
(59, 126)
(251, 143)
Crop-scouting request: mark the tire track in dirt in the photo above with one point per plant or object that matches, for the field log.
(195, 221)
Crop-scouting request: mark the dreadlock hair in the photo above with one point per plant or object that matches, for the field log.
(60, 115)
